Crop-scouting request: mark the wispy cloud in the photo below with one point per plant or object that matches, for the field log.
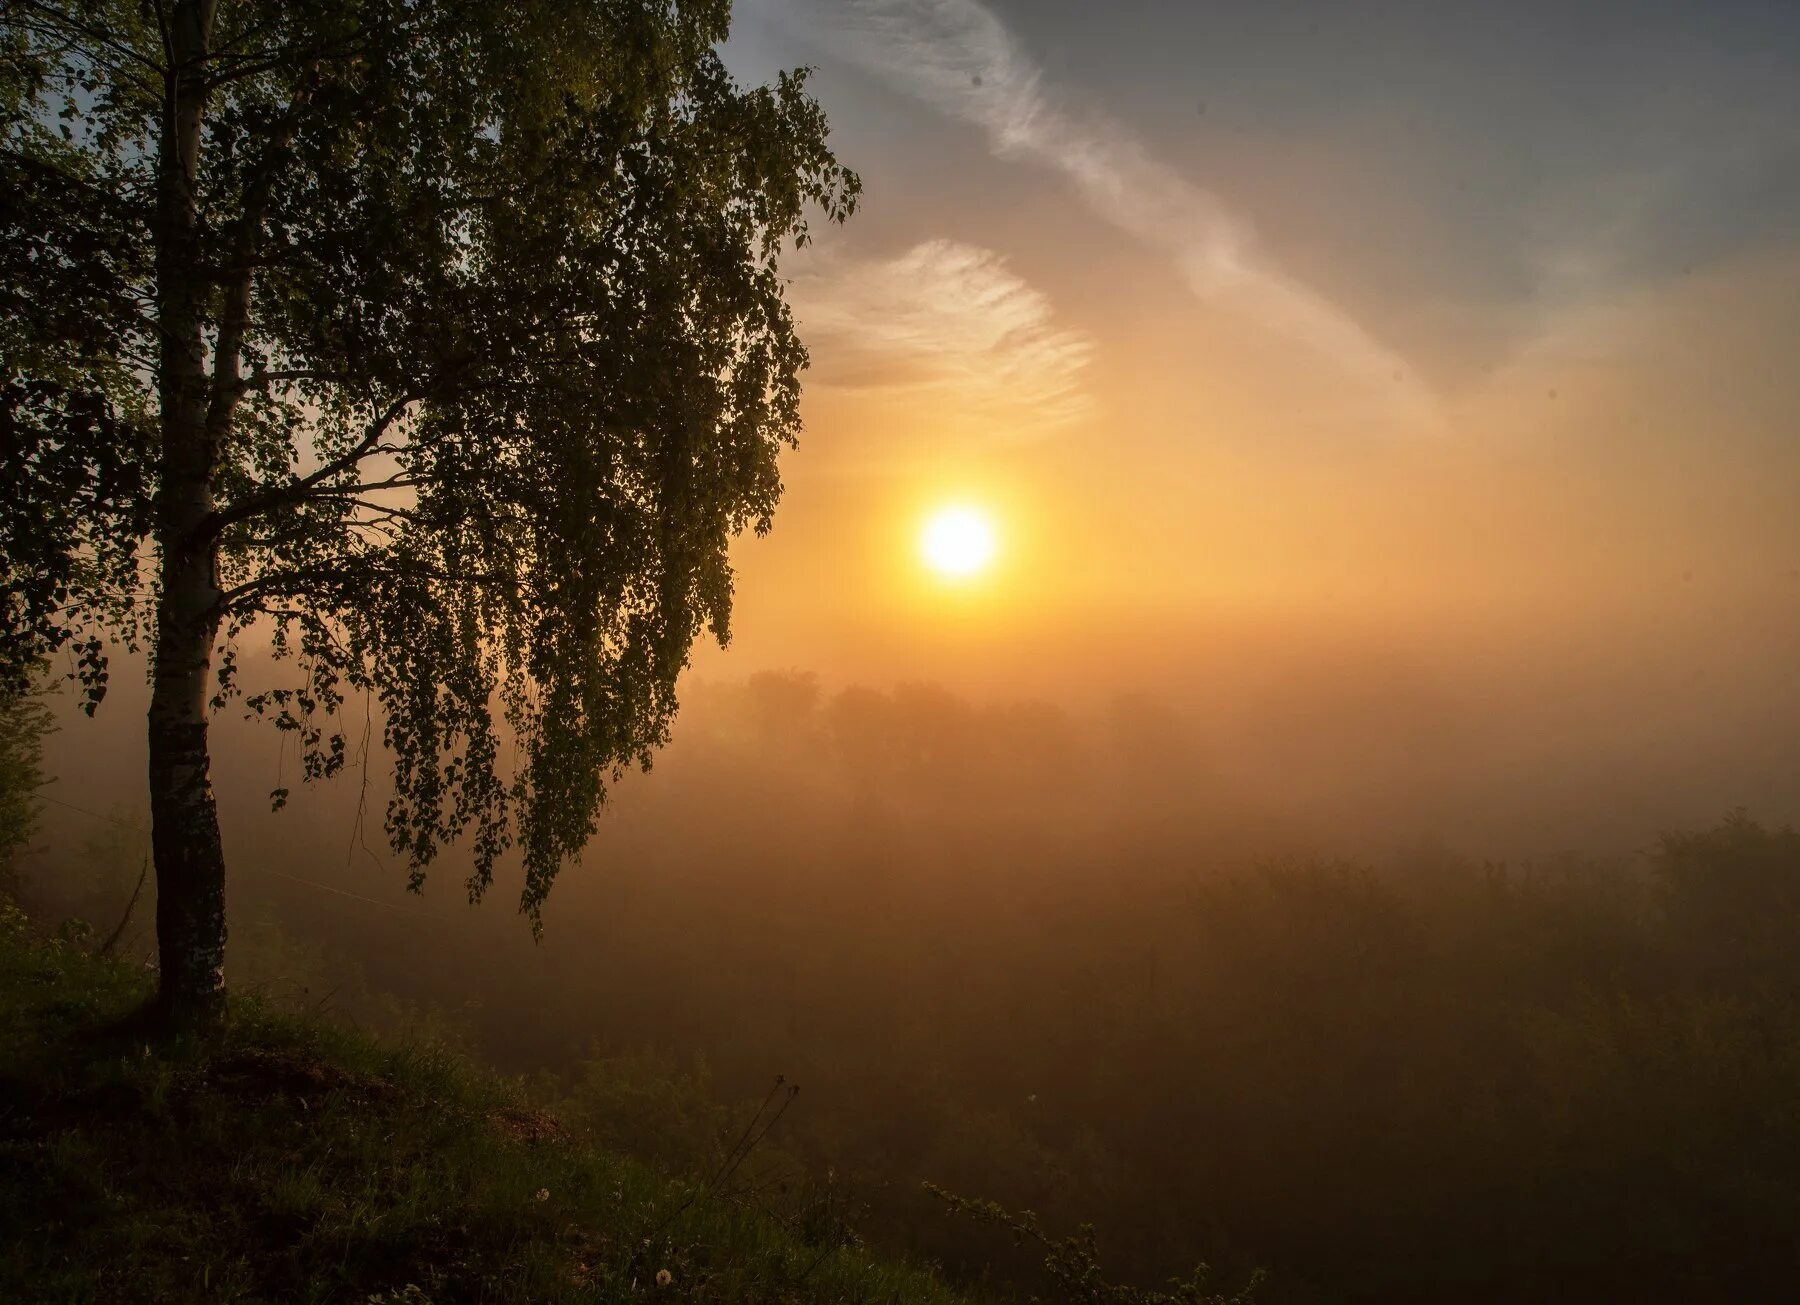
(958, 57)
(948, 317)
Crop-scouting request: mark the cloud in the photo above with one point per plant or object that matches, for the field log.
(948, 317)
(958, 57)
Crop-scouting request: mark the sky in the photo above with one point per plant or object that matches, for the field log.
(1406, 324)
(1392, 407)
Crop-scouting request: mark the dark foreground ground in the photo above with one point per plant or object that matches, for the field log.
(285, 1161)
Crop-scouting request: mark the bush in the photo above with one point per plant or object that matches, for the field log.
(24, 721)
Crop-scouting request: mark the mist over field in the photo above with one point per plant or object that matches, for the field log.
(1246, 740)
(1288, 961)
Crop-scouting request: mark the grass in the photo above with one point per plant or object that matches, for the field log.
(285, 1160)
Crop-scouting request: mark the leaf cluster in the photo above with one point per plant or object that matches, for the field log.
(498, 362)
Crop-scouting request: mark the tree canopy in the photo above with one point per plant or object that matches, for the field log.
(445, 342)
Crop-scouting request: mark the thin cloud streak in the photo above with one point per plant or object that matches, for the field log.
(958, 57)
(949, 317)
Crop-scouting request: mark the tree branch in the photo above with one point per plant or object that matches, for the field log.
(301, 487)
(234, 322)
(61, 24)
(254, 65)
(263, 379)
(307, 582)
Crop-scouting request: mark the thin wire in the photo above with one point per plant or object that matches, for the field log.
(88, 811)
(341, 892)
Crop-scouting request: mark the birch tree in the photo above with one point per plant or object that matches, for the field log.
(443, 342)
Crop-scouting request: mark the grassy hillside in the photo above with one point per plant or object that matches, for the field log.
(286, 1161)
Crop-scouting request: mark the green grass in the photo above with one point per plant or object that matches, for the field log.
(283, 1160)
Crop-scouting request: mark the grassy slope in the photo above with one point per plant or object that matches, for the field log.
(285, 1161)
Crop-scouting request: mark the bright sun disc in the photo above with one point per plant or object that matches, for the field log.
(957, 542)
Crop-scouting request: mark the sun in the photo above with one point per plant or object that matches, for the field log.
(958, 542)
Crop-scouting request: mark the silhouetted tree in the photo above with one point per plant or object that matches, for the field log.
(1732, 901)
(445, 338)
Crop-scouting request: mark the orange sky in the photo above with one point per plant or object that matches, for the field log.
(1315, 346)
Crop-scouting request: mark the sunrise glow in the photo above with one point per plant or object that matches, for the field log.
(958, 542)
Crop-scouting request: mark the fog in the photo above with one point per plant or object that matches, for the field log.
(1176, 953)
(1254, 739)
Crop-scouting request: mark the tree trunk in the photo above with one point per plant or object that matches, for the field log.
(190, 860)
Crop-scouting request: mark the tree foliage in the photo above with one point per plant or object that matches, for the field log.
(24, 721)
(496, 361)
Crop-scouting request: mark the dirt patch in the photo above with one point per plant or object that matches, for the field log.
(265, 1074)
(527, 1125)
